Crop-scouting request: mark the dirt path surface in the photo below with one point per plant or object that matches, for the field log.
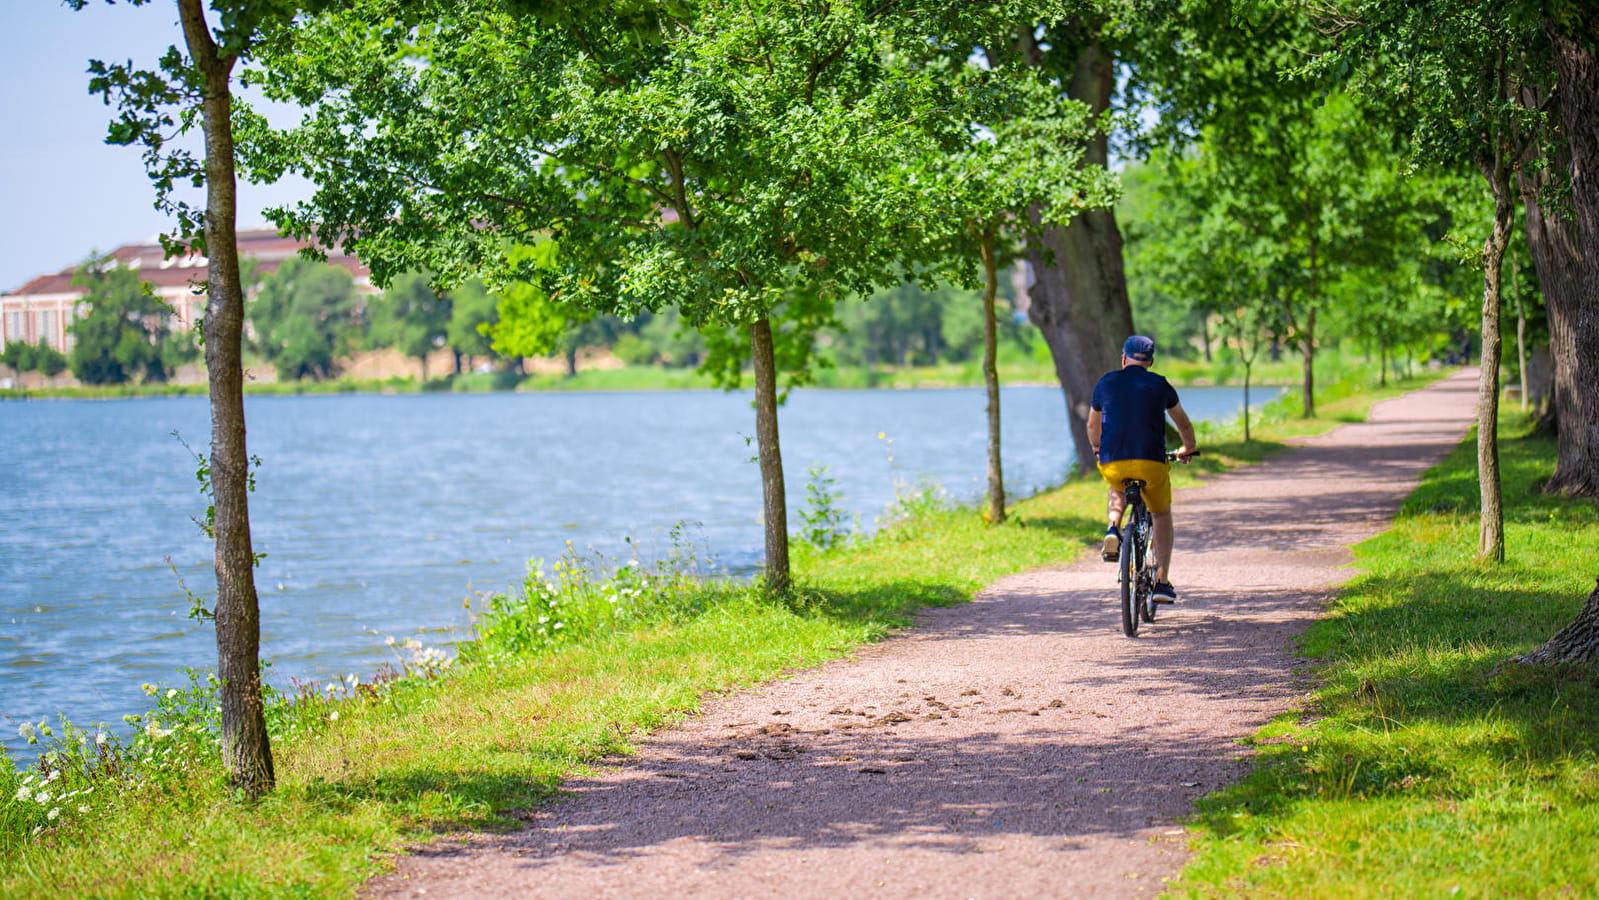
(1016, 746)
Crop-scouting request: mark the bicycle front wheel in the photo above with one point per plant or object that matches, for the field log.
(1128, 568)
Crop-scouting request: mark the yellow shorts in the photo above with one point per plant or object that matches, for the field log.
(1156, 477)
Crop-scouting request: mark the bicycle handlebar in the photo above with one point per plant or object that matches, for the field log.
(1171, 455)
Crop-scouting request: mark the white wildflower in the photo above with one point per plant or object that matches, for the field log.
(83, 809)
(389, 641)
(333, 686)
(155, 731)
(171, 692)
(353, 679)
(413, 644)
(24, 795)
(100, 739)
(53, 814)
(333, 716)
(55, 774)
(28, 732)
(42, 797)
(149, 689)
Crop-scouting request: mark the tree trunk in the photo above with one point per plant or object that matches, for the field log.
(1577, 67)
(1247, 367)
(1552, 237)
(1204, 336)
(1382, 360)
(996, 478)
(1521, 331)
(1307, 351)
(1491, 526)
(1578, 70)
(775, 503)
(1078, 298)
(246, 750)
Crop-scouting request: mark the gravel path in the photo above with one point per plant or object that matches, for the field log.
(1015, 746)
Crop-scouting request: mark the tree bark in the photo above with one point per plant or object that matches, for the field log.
(1491, 525)
(1577, 68)
(1557, 261)
(996, 478)
(1078, 299)
(1521, 331)
(246, 750)
(775, 503)
(1307, 352)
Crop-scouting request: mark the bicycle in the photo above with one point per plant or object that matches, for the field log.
(1135, 563)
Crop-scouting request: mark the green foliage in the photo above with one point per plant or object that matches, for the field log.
(741, 151)
(125, 334)
(473, 314)
(40, 357)
(409, 316)
(576, 604)
(304, 318)
(826, 525)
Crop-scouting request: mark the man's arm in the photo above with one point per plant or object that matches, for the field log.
(1096, 422)
(1185, 430)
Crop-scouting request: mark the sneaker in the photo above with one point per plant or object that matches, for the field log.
(1163, 593)
(1112, 549)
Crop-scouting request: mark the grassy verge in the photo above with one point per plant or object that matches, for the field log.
(576, 668)
(1414, 773)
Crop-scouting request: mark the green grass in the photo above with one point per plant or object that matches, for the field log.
(1416, 771)
(471, 745)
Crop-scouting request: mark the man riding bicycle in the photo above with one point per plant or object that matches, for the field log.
(1127, 429)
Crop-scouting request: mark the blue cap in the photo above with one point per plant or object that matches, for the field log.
(1140, 348)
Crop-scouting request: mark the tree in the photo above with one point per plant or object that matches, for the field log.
(122, 335)
(410, 317)
(1459, 67)
(1554, 207)
(473, 315)
(1078, 298)
(1020, 178)
(189, 89)
(304, 318)
(729, 159)
(1574, 37)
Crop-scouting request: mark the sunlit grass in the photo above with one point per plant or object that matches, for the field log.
(1417, 771)
(468, 745)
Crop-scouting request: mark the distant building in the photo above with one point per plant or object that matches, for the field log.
(42, 309)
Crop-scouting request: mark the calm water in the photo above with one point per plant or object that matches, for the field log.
(380, 515)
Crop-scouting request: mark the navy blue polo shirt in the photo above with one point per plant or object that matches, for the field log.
(1132, 404)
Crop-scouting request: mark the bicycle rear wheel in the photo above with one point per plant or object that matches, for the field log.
(1128, 568)
(1146, 578)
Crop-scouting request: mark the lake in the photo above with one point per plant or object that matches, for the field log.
(381, 515)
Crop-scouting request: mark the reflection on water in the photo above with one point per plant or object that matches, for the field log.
(381, 515)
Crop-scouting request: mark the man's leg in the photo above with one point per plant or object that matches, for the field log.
(1114, 506)
(1163, 543)
(1113, 518)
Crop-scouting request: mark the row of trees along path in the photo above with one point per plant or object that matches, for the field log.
(1016, 746)
(753, 168)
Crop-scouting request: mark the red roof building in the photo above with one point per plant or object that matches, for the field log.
(42, 309)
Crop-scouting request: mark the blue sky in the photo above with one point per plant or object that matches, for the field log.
(66, 193)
